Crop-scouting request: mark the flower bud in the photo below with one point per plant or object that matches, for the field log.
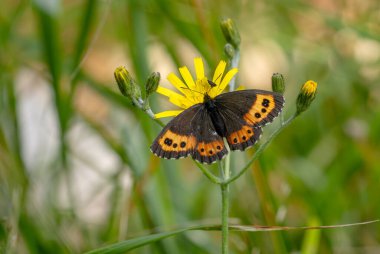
(152, 83)
(127, 85)
(278, 83)
(230, 32)
(229, 50)
(306, 95)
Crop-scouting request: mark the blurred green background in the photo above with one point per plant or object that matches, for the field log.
(76, 172)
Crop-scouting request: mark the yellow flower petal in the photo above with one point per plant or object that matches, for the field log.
(166, 92)
(185, 73)
(181, 102)
(177, 83)
(240, 88)
(168, 113)
(175, 98)
(199, 69)
(194, 91)
(215, 91)
(309, 87)
(226, 80)
(219, 72)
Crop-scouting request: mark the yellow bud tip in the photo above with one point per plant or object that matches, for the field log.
(310, 87)
(306, 95)
(121, 72)
(126, 83)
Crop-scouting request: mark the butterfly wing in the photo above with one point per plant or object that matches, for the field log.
(177, 140)
(245, 112)
(239, 134)
(256, 107)
(191, 132)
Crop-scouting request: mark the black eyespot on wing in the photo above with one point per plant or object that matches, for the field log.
(243, 138)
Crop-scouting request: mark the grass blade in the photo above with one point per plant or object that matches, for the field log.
(134, 243)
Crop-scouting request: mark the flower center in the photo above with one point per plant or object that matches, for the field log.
(203, 83)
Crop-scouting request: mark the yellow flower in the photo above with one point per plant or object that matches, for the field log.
(193, 91)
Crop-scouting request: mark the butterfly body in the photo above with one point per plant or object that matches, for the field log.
(199, 130)
(212, 109)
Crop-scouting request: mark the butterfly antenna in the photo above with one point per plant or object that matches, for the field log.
(191, 90)
(219, 76)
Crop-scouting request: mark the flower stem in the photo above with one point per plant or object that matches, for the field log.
(234, 64)
(144, 106)
(208, 174)
(225, 206)
(224, 187)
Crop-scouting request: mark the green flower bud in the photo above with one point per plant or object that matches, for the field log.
(278, 83)
(127, 85)
(306, 95)
(152, 83)
(230, 32)
(229, 50)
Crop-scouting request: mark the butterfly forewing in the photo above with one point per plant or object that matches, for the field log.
(255, 107)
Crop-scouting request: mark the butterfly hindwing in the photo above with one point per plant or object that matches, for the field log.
(239, 134)
(255, 107)
(176, 140)
(210, 146)
(244, 138)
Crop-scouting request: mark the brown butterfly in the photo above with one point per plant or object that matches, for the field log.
(199, 130)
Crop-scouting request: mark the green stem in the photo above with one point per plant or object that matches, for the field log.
(224, 187)
(225, 207)
(234, 64)
(261, 149)
(208, 174)
(145, 107)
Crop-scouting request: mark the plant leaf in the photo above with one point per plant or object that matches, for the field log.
(124, 246)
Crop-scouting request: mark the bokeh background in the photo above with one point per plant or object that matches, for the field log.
(76, 172)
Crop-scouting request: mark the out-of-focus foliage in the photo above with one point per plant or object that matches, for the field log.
(76, 172)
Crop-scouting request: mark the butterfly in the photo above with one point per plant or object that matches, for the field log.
(198, 131)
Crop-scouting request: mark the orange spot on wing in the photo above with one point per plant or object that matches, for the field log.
(171, 141)
(241, 136)
(211, 148)
(260, 109)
